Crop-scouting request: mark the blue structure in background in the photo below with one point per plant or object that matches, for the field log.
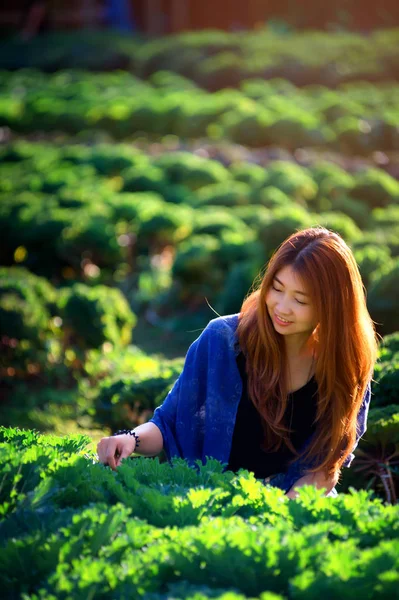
(119, 15)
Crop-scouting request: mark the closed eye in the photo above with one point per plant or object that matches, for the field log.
(276, 290)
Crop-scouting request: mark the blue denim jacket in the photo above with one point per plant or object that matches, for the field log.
(197, 417)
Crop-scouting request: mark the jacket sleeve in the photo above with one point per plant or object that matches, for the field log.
(361, 423)
(180, 417)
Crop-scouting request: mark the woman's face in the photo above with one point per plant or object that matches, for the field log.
(289, 304)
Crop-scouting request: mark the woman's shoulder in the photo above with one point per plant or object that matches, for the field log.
(226, 323)
(221, 331)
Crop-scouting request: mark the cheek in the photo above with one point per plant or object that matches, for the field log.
(269, 299)
(308, 315)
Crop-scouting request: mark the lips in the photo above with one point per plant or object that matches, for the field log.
(280, 321)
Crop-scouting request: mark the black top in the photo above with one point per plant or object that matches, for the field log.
(246, 452)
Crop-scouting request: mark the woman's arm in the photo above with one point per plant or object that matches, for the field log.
(296, 476)
(179, 417)
(151, 441)
(361, 426)
(317, 479)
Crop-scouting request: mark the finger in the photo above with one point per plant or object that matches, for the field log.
(292, 494)
(102, 453)
(110, 456)
(122, 457)
(101, 450)
(124, 452)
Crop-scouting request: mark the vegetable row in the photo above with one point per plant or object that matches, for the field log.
(355, 118)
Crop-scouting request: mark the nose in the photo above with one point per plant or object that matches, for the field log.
(283, 309)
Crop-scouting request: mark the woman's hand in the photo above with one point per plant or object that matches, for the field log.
(112, 450)
(319, 480)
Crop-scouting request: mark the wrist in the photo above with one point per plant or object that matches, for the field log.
(129, 432)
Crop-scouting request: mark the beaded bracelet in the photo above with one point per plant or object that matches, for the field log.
(130, 432)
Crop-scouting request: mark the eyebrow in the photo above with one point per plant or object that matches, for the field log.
(296, 291)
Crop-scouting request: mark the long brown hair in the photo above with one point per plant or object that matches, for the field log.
(345, 341)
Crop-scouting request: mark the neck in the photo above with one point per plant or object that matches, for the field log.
(298, 347)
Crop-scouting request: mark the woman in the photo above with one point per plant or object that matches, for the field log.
(283, 387)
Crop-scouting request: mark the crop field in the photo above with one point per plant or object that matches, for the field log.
(144, 185)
